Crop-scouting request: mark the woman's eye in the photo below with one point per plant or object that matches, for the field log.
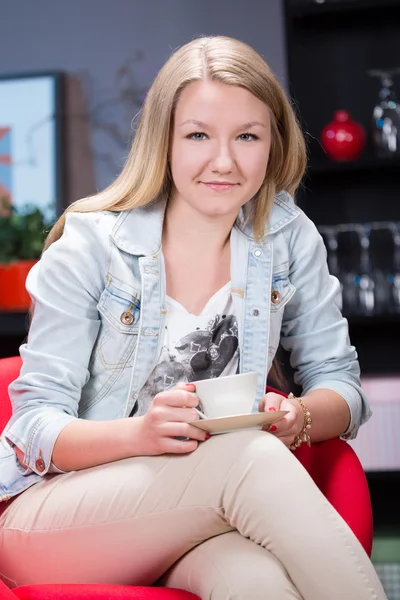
(248, 137)
(198, 136)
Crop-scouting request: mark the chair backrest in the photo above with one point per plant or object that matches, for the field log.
(9, 370)
(338, 472)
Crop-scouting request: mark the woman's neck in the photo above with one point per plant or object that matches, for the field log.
(187, 228)
(197, 255)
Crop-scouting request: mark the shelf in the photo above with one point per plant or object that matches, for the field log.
(383, 486)
(312, 8)
(13, 324)
(389, 320)
(365, 163)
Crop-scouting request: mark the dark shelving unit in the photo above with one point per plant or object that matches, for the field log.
(330, 47)
(12, 323)
(383, 486)
(322, 166)
(13, 331)
(309, 9)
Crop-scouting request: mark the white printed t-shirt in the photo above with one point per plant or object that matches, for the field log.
(195, 347)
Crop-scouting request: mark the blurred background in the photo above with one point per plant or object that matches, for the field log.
(72, 79)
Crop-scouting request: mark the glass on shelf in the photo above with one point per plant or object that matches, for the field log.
(386, 115)
(329, 235)
(358, 288)
(394, 274)
(364, 259)
(372, 283)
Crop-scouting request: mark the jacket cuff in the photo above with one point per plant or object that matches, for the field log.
(42, 438)
(360, 410)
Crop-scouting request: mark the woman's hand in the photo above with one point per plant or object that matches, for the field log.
(287, 428)
(166, 419)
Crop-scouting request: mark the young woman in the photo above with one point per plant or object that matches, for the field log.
(194, 264)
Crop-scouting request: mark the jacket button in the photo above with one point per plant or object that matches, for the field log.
(40, 466)
(126, 318)
(275, 297)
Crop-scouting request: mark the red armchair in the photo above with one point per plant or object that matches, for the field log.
(333, 465)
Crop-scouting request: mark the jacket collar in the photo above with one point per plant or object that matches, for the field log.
(139, 231)
(283, 212)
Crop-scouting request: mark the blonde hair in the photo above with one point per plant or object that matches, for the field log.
(146, 173)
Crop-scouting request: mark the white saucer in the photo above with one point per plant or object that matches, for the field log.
(247, 421)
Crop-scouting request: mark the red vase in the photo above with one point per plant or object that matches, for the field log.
(343, 139)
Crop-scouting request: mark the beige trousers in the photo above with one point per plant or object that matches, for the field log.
(238, 518)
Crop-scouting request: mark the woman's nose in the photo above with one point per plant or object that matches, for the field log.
(223, 161)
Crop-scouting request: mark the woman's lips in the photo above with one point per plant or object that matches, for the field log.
(219, 187)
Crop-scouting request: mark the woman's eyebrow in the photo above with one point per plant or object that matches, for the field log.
(252, 124)
(205, 126)
(194, 122)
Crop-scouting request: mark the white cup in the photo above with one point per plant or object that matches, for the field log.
(227, 396)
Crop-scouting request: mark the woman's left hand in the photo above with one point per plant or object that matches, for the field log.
(287, 428)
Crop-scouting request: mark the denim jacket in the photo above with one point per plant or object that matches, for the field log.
(85, 359)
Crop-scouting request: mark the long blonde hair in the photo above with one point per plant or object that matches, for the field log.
(146, 173)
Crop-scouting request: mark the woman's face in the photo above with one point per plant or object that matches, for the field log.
(219, 148)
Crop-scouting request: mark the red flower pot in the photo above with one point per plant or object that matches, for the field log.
(343, 139)
(13, 294)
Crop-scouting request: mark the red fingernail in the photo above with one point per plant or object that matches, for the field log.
(190, 385)
(273, 428)
(272, 408)
(208, 436)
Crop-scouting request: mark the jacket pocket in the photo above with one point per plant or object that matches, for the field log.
(119, 308)
(281, 292)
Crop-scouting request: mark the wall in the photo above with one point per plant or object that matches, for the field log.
(98, 36)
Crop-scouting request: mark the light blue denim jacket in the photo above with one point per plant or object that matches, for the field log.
(82, 360)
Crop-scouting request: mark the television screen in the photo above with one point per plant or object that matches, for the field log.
(30, 142)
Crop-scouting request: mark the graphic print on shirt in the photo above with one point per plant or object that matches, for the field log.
(201, 354)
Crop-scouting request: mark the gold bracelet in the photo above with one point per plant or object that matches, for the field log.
(303, 435)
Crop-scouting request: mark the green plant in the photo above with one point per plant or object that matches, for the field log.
(22, 232)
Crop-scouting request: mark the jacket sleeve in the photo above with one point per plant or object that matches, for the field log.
(313, 328)
(65, 286)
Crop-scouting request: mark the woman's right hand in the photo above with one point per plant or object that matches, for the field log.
(166, 419)
(84, 443)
